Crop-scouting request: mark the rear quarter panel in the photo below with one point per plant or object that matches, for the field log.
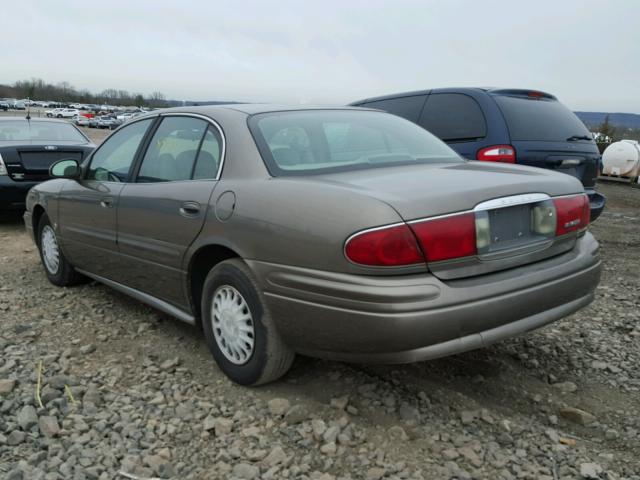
(292, 222)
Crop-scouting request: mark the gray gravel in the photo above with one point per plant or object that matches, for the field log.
(127, 389)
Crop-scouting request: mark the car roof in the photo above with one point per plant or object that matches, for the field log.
(250, 108)
(490, 90)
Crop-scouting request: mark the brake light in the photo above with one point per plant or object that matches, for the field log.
(572, 213)
(447, 237)
(391, 246)
(497, 153)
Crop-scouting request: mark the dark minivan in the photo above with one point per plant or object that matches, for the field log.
(525, 127)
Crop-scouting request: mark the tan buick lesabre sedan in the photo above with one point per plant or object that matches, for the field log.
(342, 233)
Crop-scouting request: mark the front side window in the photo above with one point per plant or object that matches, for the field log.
(173, 150)
(112, 161)
(321, 141)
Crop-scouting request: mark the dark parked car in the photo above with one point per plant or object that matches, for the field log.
(341, 233)
(4, 105)
(27, 150)
(526, 127)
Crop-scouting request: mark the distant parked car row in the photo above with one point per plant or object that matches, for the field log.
(62, 113)
(110, 121)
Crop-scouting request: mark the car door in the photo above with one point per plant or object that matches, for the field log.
(163, 210)
(457, 119)
(87, 207)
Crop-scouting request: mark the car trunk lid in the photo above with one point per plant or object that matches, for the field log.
(31, 163)
(502, 195)
(579, 159)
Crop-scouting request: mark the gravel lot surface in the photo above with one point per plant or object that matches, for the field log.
(126, 390)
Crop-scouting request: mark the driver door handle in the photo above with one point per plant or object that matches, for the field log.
(106, 202)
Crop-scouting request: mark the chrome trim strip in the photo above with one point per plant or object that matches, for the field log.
(438, 217)
(510, 201)
(144, 297)
(223, 150)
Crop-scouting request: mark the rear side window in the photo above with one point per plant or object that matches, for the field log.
(539, 119)
(453, 117)
(405, 107)
(209, 156)
(172, 152)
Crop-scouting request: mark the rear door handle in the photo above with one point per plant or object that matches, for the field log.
(190, 209)
(106, 202)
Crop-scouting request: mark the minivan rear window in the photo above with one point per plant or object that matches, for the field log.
(539, 119)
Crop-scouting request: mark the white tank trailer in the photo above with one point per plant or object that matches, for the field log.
(621, 161)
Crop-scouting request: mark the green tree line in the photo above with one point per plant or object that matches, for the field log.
(38, 89)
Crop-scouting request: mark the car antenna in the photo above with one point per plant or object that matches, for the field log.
(28, 117)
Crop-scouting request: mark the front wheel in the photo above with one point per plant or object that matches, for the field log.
(59, 271)
(239, 330)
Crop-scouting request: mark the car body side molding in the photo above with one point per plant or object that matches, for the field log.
(144, 297)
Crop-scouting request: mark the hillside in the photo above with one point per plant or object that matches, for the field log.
(618, 120)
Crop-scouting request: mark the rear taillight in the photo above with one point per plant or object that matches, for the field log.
(497, 153)
(391, 246)
(572, 213)
(447, 237)
(458, 235)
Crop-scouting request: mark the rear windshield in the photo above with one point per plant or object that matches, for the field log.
(324, 141)
(20, 130)
(540, 119)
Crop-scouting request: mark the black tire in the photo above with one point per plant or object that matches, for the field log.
(271, 358)
(65, 275)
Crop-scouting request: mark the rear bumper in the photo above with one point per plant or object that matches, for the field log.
(597, 202)
(417, 317)
(13, 194)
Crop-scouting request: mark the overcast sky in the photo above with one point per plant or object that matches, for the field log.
(585, 52)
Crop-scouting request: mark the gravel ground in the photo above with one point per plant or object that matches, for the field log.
(126, 390)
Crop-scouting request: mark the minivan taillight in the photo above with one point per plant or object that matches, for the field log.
(391, 246)
(572, 213)
(447, 237)
(497, 153)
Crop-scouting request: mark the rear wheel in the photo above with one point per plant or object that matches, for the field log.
(239, 330)
(59, 271)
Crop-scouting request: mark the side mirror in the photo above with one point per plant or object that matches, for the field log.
(67, 168)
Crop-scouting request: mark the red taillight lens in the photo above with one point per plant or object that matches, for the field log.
(384, 247)
(573, 213)
(497, 153)
(447, 237)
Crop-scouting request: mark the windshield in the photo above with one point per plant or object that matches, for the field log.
(20, 130)
(323, 141)
(540, 120)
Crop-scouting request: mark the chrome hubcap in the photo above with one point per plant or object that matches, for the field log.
(232, 324)
(50, 250)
